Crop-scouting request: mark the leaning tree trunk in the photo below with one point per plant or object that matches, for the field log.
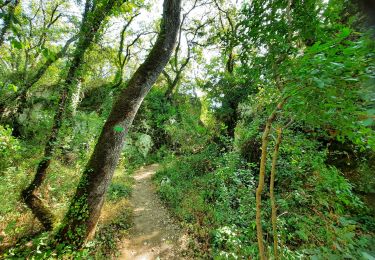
(91, 23)
(83, 214)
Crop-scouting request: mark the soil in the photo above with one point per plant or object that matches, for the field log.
(155, 234)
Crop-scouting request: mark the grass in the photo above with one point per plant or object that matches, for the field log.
(22, 236)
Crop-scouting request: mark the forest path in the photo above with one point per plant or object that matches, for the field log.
(154, 234)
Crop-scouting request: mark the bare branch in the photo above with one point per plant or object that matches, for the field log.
(166, 75)
(122, 34)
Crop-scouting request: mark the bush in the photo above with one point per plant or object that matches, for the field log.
(9, 148)
(118, 191)
(214, 194)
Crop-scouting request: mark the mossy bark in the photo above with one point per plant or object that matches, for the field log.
(19, 98)
(91, 23)
(83, 214)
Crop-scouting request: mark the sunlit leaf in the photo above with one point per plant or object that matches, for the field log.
(16, 44)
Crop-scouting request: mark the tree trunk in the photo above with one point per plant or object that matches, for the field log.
(76, 97)
(231, 119)
(21, 99)
(262, 173)
(230, 63)
(83, 214)
(171, 86)
(29, 195)
(272, 193)
(90, 25)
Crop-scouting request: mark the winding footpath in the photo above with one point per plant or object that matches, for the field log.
(154, 234)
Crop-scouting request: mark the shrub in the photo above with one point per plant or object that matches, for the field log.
(9, 148)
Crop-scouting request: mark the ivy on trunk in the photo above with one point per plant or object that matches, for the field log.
(83, 214)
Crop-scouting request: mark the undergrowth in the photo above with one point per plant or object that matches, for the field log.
(319, 215)
(21, 235)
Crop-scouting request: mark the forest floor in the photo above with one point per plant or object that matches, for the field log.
(155, 234)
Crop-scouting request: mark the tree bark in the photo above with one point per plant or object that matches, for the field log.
(83, 214)
(272, 193)
(90, 25)
(231, 119)
(230, 63)
(171, 86)
(262, 173)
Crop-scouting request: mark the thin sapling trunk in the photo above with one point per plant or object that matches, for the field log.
(272, 193)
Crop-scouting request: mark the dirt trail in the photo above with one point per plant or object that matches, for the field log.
(154, 235)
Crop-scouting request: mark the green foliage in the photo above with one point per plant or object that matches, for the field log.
(77, 142)
(153, 116)
(117, 191)
(6, 88)
(106, 241)
(317, 205)
(318, 54)
(336, 89)
(116, 220)
(9, 149)
(225, 92)
(137, 150)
